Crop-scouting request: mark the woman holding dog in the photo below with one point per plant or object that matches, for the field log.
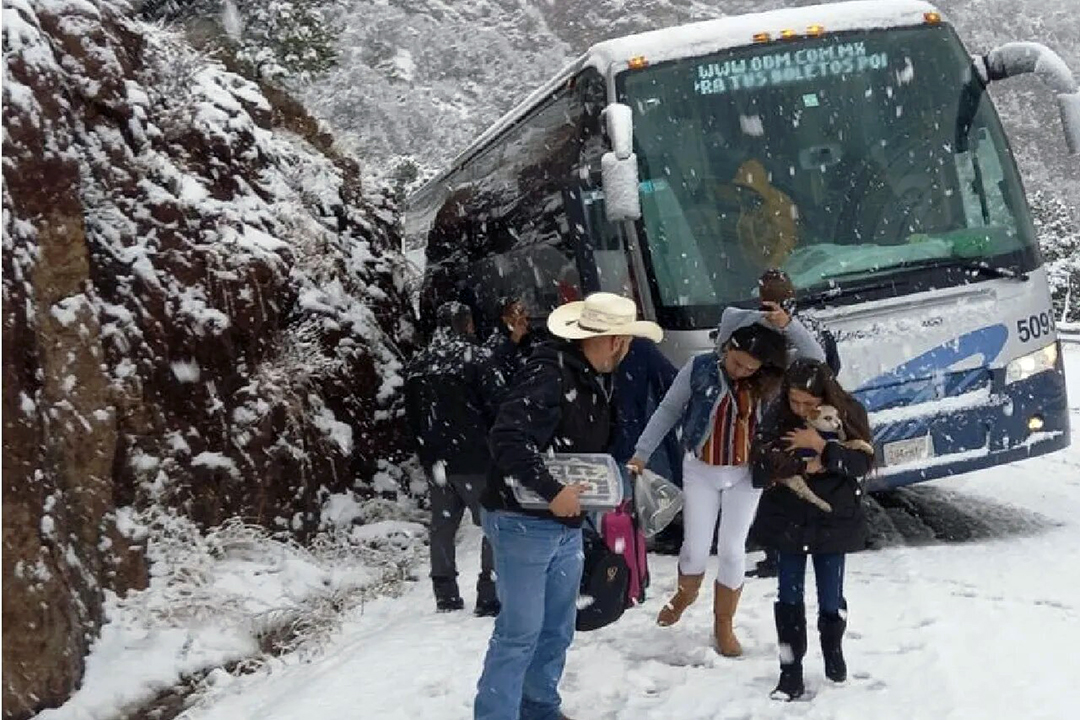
(787, 444)
(717, 397)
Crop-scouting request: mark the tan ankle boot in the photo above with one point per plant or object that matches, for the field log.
(724, 605)
(685, 595)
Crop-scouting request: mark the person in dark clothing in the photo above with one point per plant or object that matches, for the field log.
(560, 401)
(449, 404)
(775, 287)
(786, 445)
(641, 381)
(510, 341)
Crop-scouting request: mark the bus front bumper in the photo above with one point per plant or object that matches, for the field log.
(1009, 423)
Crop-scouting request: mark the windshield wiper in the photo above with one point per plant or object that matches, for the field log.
(991, 271)
(835, 293)
(980, 267)
(974, 266)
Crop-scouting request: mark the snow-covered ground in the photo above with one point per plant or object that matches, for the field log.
(984, 629)
(234, 596)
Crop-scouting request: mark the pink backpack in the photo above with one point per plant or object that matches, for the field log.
(621, 534)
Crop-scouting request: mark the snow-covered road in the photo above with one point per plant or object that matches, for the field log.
(985, 629)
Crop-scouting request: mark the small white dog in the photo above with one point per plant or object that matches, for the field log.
(828, 423)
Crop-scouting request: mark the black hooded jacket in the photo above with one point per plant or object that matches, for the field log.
(450, 392)
(790, 524)
(557, 401)
(507, 357)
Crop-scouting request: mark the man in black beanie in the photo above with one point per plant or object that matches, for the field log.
(449, 391)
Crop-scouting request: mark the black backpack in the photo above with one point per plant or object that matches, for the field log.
(604, 582)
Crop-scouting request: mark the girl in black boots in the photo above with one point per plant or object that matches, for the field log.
(787, 445)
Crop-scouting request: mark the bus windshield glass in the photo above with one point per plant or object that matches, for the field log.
(869, 158)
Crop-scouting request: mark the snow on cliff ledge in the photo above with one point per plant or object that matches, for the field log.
(202, 311)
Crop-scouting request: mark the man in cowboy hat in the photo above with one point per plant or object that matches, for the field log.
(559, 401)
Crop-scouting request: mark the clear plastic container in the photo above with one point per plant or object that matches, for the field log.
(598, 472)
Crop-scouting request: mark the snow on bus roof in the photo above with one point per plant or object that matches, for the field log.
(704, 38)
(710, 36)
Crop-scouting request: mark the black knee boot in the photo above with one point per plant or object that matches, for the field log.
(791, 634)
(831, 628)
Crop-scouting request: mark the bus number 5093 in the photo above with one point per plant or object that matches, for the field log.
(1035, 327)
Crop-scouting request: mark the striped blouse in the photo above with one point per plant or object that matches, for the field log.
(729, 442)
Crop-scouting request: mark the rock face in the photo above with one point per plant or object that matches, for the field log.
(200, 309)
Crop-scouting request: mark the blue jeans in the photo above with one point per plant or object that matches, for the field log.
(538, 565)
(828, 576)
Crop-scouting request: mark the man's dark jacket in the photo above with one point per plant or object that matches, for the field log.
(449, 391)
(557, 402)
(641, 381)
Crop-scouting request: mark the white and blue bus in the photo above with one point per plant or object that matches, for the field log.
(854, 145)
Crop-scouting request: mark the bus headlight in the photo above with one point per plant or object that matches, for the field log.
(1031, 364)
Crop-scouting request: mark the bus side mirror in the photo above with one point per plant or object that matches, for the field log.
(619, 123)
(1069, 107)
(1018, 58)
(618, 168)
(620, 180)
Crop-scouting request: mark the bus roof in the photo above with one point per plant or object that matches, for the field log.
(704, 38)
(710, 36)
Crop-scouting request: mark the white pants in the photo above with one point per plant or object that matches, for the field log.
(708, 489)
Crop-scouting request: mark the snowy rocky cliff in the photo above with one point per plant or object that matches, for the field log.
(201, 311)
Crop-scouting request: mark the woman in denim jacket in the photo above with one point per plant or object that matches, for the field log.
(716, 399)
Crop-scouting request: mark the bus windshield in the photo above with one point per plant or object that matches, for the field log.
(864, 158)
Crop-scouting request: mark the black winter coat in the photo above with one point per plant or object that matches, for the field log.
(450, 395)
(790, 524)
(559, 402)
(507, 357)
(641, 380)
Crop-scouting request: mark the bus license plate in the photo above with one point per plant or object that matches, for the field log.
(911, 450)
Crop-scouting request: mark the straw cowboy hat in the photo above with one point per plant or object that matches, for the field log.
(599, 314)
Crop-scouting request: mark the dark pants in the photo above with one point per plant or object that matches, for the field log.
(828, 576)
(449, 500)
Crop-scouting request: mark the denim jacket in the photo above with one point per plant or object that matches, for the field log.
(697, 390)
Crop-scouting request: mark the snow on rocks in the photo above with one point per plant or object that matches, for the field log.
(162, 218)
(222, 249)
